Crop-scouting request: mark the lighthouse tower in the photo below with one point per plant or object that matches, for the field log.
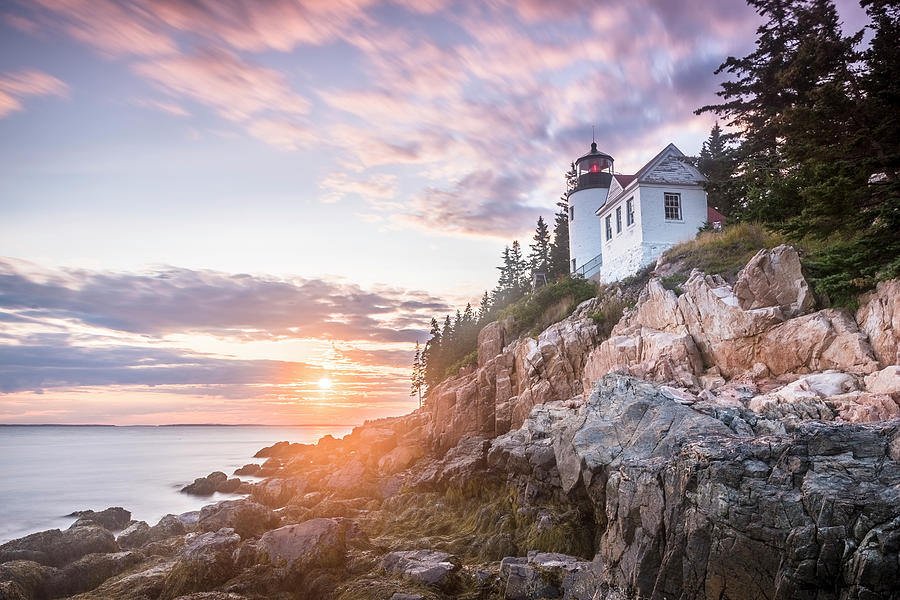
(594, 174)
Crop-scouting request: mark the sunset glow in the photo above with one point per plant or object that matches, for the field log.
(249, 212)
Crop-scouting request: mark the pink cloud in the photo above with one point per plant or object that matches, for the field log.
(112, 28)
(281, 133)
(221, 80)
(28, 82)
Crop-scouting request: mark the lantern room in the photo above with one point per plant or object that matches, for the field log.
(594, 169)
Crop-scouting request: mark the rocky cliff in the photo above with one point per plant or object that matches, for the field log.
(726, 440)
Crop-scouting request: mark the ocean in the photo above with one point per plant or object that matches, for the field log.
(47, 472)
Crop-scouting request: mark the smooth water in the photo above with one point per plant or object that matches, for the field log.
(48, 472)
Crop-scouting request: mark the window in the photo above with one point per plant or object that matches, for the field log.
(571, 213)
(619, 219)
(673, 207)
(608, 227)
(629, 212)
(573, 265)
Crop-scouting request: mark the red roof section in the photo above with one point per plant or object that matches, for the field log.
(624, 180)
(714, 216)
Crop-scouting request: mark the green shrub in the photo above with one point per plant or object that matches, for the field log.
(609, 314)
(469, 359)
(673, 282)
(527, 313)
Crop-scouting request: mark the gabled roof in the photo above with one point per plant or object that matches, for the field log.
(628, 182)
(714, 216)
(624, 180)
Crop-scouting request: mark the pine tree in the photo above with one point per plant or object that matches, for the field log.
(539, 258)
(418, 375)
(718, 164)
(431, 356)
(559, 247)
(484, 309)
(521, 274)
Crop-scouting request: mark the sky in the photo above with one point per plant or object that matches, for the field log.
(230, 211)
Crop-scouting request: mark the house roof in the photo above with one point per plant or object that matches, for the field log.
(624, 180)
(630, 181)
(714, 216)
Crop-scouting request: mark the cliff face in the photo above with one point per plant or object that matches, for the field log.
(761, 334)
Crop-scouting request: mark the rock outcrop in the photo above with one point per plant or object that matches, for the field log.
(687, 508)
(879, 318)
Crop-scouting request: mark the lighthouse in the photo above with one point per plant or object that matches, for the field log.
(594, 173)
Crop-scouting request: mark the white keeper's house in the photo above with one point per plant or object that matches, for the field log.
(620, 223)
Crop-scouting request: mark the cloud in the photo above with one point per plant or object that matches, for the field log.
(170, 108)
(218, 78)
(281, 133)
(112, 28)
(245, 307)
(63, 364)
(14, 87)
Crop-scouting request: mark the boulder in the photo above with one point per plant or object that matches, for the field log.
(400, 458)
(134, 536)
(142, 583)
(205, 562)
(878, 316)
(885, 381)
(828, 339)
(57, 548)
(277, 492)
(649, 354)
(774, 278)
(543, 575)
(115, 518)
(315, 543)
(169, 526)
(88, 572)
(24, 578)
(246, 517)
(425, 567)
(248, 469)
(206, 486)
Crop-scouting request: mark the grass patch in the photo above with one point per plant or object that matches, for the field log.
(609, 314)
(725, 251)
(674, 282)
(469, 359)
(528, 314)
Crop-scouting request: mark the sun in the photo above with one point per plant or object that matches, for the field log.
(325, 383)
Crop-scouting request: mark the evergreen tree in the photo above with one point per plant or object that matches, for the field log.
(431, 356)
(559, 248)
(521, 274)
(418, 375)
(718, 163)
(539, 258)
(484, 309)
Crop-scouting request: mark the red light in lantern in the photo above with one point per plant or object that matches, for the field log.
(595, 168)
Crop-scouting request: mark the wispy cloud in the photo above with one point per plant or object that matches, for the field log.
(16, 86)
(236, 89)
(246, 307)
